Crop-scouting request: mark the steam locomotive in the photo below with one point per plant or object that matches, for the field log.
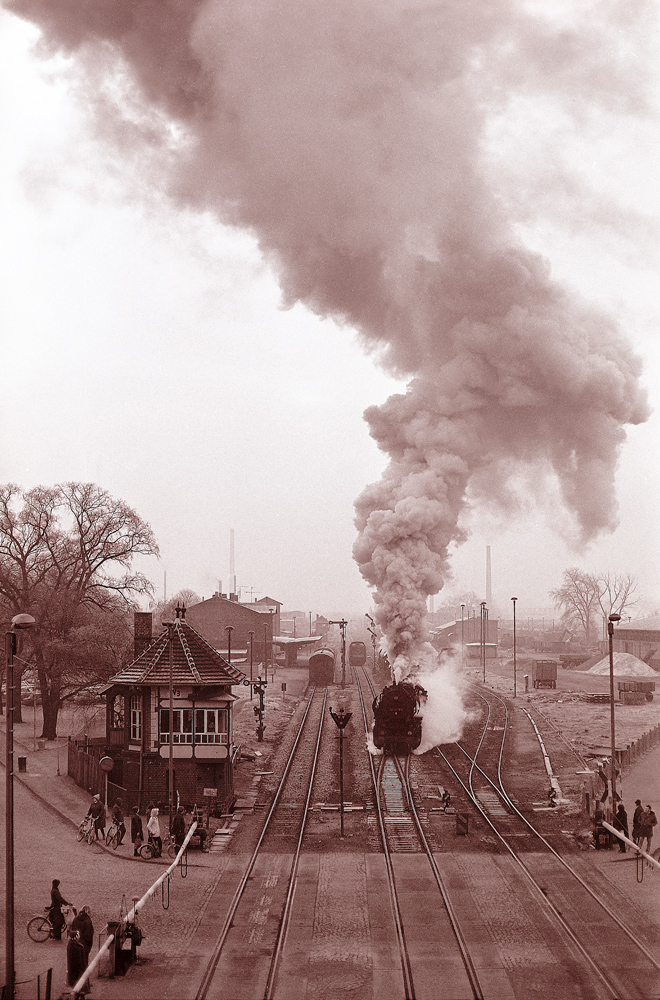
(397, 722)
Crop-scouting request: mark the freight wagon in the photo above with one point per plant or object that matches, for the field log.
(544, 673)
(635, 692)
(357, 654)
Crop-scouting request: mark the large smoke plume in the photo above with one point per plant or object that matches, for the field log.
(350, 138)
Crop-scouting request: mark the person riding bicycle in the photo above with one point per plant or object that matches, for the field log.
(57, 901)
(118, 820)
(97, 812)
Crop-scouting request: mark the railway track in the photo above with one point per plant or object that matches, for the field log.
(262, 903)
(560, 889)
(401, 832)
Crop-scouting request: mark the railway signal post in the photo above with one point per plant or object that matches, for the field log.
(260, 689)
(342, 626)
(341, 717)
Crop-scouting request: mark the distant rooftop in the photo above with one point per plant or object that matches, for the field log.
(651, 624)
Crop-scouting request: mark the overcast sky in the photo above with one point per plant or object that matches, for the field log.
(145, 349)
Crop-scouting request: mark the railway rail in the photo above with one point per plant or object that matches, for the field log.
(394, 803)
(558, 886)
(298, 780)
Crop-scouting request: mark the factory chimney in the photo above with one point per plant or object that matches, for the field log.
(232, 568)
(489, 591)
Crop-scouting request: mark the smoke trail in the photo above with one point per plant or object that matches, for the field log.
(350, 139)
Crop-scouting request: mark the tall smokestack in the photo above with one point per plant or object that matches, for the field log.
(489, 591)
(232, 568)
(164, 585)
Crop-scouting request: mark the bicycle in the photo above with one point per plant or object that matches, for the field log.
(86, 830)
(41, 928)
(112, 836)
(149, 850)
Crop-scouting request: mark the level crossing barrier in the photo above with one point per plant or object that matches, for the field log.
(129, 918)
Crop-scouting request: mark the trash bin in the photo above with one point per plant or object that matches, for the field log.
(462, 824)
(22, 763)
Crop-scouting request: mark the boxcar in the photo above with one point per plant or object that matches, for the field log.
(322, 667)
(357, 654)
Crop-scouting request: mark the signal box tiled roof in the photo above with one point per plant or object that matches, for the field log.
(194, 661)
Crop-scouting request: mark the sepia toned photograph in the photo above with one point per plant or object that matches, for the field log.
(329, 493)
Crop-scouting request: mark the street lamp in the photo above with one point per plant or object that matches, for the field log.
(610, 633)
(514, 599)
(18, 622)
(229, 629)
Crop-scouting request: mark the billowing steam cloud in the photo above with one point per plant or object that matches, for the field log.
(349, 137)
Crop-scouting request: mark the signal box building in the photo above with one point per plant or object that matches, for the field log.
(138, 718)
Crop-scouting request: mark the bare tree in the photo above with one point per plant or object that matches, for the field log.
(616, 593)
(65, 557)
(164, 610)
(578, 600)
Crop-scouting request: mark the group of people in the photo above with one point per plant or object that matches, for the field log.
(644, 820)
(178, 830)
(80, 934)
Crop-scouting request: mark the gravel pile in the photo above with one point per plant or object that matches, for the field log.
(625, 665)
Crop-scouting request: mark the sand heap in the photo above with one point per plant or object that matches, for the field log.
(625, 665)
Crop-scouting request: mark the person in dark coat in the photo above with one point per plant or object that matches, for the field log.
(137, 832)
(649, 820)
(621, 823)
(79, 945)
(178, 830)
(637, 820)
(118, 820)
(57, 901)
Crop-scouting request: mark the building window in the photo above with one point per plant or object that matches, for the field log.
(210, 725)
(136, 716)
(117, 712)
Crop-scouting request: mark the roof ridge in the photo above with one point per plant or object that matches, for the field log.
(186, 650)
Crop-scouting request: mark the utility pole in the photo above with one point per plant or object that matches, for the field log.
(610, 635)
(514, 599)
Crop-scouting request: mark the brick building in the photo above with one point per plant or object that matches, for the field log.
(640, 637)
(138, 718)
(212, 618)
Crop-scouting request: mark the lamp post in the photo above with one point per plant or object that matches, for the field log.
(610, 633)
(229, 629)
(18, 622)
(514, 599)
